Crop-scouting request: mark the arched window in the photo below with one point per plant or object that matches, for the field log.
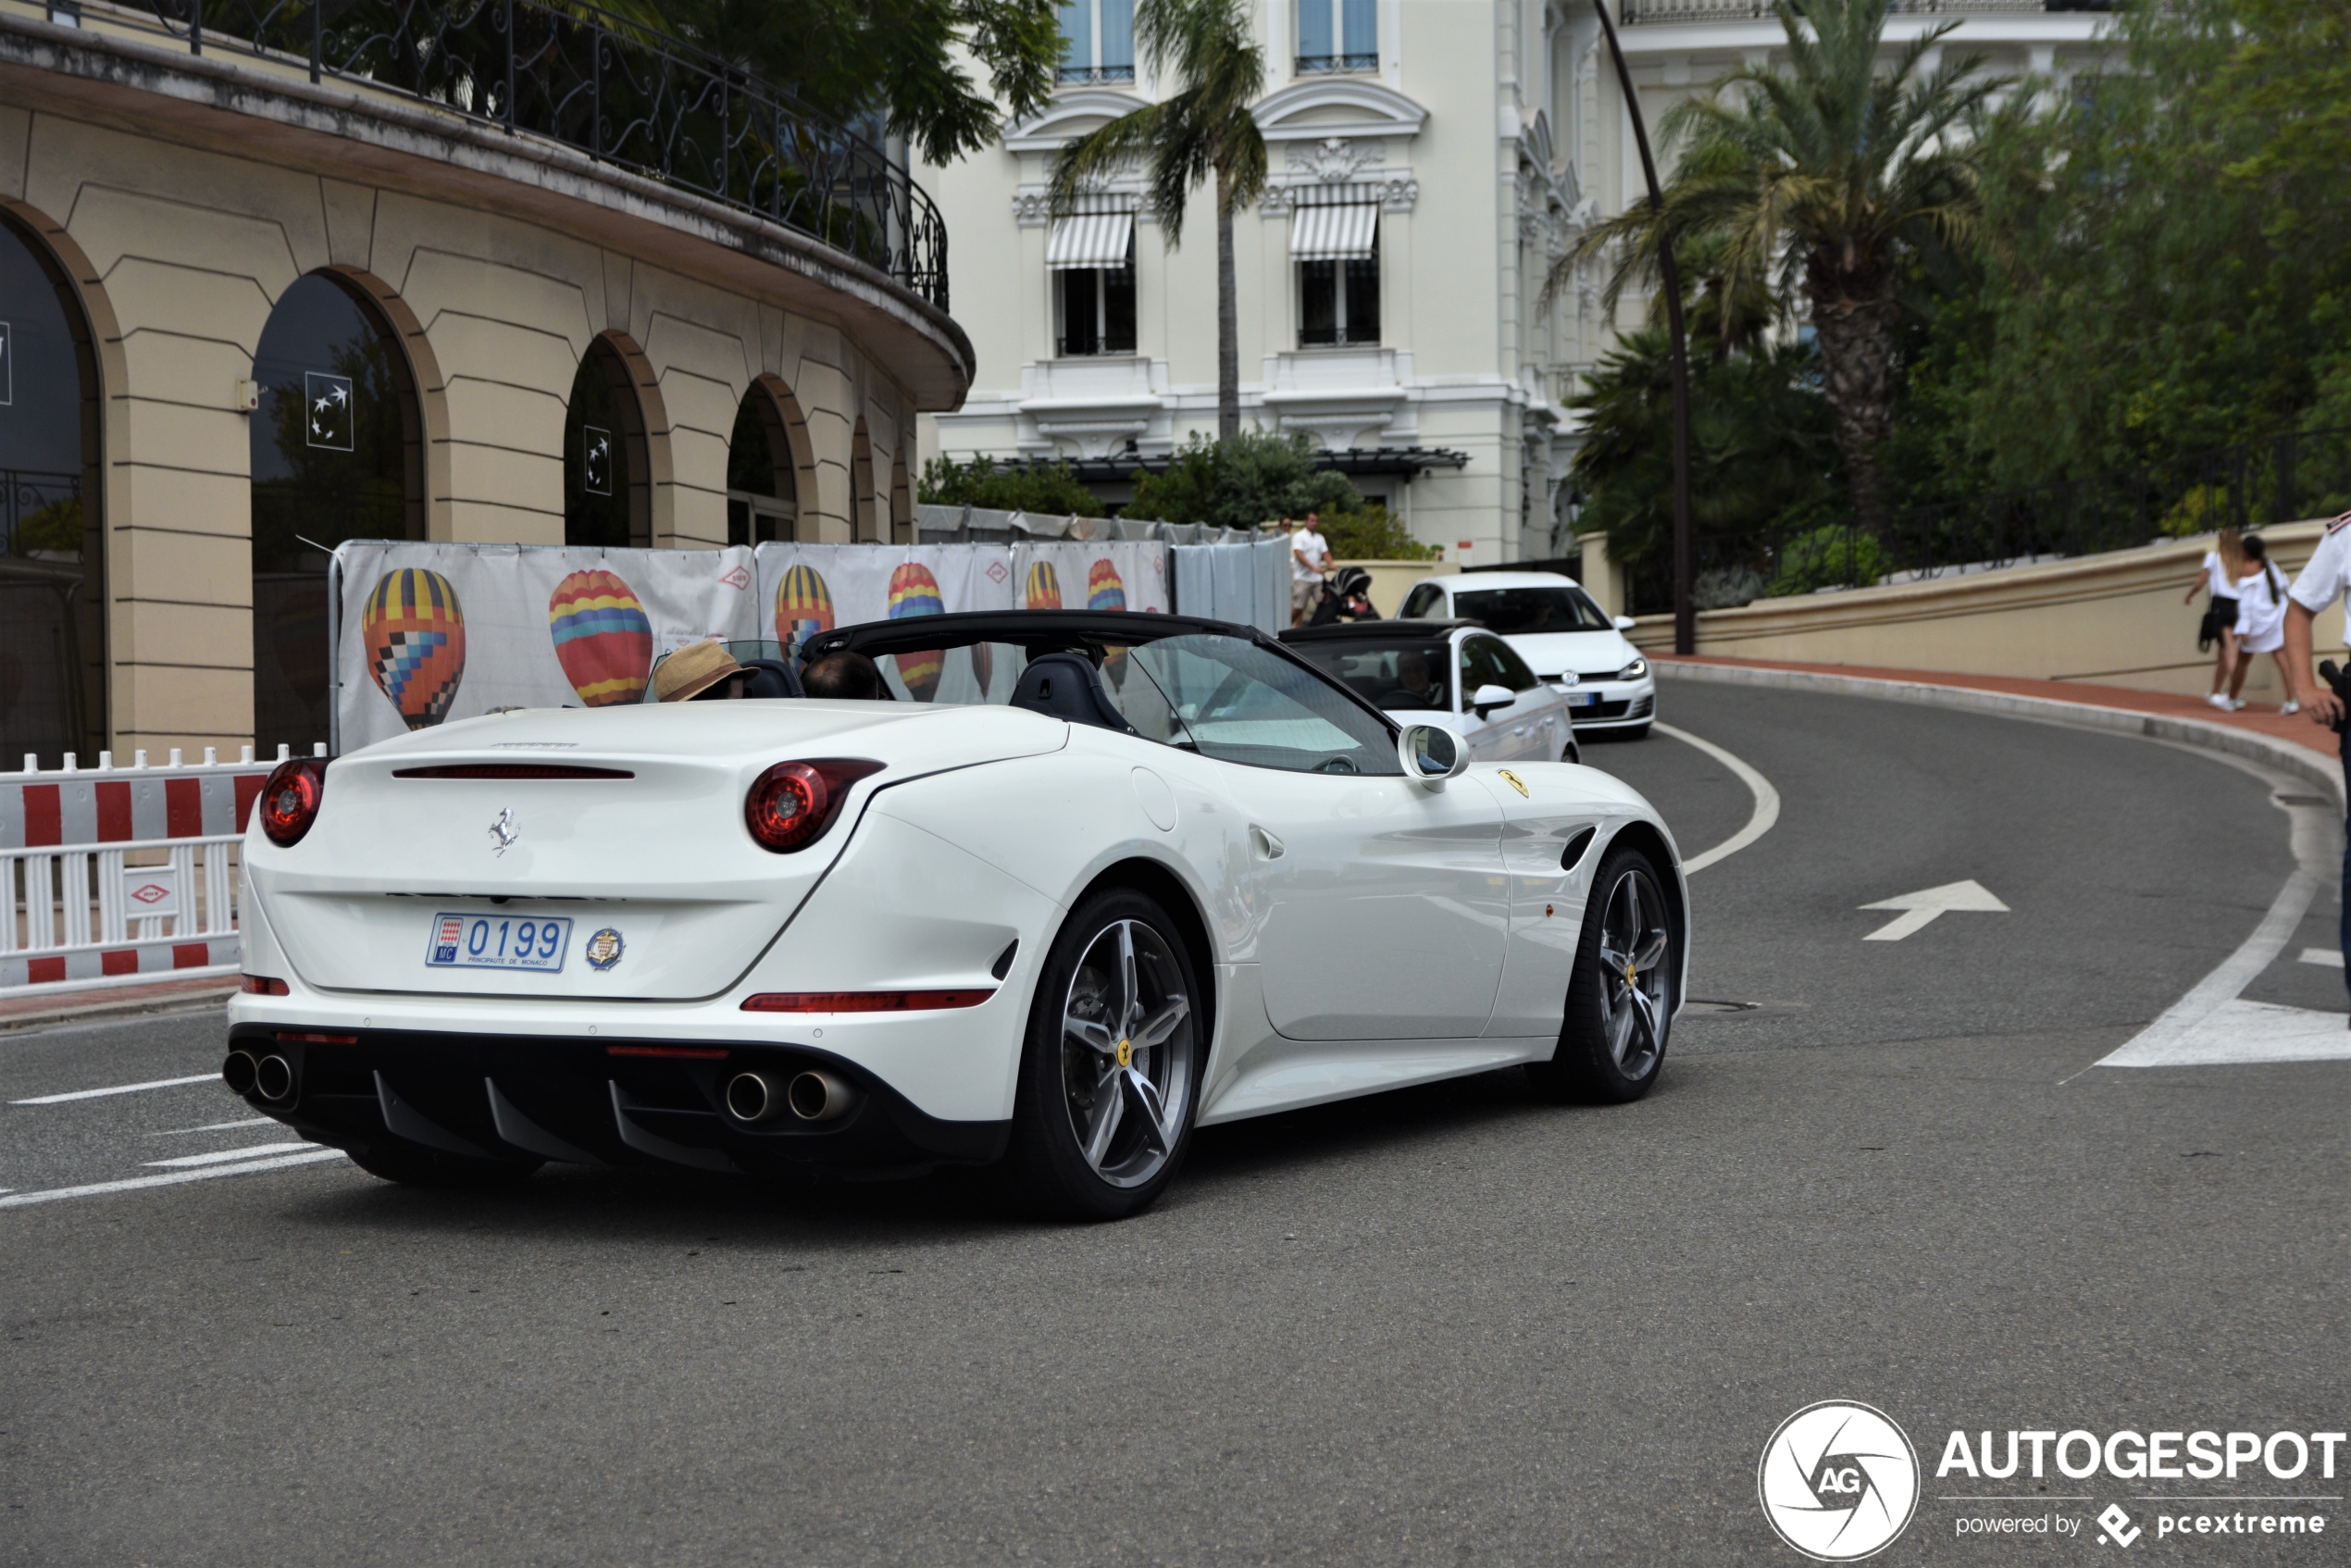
(865, 525)
(763, 487)
(52, 599)
(902, 501)
(607, 482)
(337, 446)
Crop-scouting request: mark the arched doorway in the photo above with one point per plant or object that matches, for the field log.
(762, 481)
(52, 599)
(608, 479)
(337, 446)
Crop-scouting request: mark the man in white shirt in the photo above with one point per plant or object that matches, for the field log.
(1309, 551)
(2321, 583)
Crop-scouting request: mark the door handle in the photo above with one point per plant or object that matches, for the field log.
(1268, 846)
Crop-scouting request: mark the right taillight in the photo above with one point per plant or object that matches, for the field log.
(791, 804)
(263, 985)
(288, 801)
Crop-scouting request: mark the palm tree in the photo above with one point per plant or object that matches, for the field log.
(1817, 179)
(1206, 129)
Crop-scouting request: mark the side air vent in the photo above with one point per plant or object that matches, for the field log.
(1575, 847)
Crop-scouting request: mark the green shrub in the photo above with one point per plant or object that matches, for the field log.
(1838, 556)
(1049, 492)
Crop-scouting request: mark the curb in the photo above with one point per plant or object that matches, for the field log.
(101, 1007)
(2311, 766)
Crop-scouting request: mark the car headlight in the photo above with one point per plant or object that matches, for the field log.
(1634, 671)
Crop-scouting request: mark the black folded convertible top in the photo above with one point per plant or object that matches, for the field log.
(1039, 631)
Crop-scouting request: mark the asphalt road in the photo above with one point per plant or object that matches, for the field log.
(1446, 1325)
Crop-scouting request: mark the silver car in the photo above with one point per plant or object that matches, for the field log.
(1450, 673)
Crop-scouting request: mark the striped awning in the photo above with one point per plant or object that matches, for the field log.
(1090, 239)
(1333, 233)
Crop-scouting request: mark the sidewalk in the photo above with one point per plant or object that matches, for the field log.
(2263, 720)
(66, 1001)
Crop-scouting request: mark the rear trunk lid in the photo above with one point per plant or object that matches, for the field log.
(640, 834)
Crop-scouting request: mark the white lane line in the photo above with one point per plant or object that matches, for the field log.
(118, 1088)
(2324, 957)
(2239, 1031)
(2194, 1028)
(1765, 817)
(97, 1189)
(223, 1156)
(215, 1127)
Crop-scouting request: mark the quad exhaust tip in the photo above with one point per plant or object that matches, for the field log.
(274, 1077)
(810, 1097)
(238, 1070)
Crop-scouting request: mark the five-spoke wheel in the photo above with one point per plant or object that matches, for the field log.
(1619, 999)
(1107, 1082)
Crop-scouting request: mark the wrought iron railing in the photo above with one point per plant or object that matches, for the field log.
(2299, 475)
(621, 93)
(1324, 65)
(1756, 10)
(1072, 75)
(40, 513)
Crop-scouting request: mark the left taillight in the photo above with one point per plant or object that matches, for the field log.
(290, 800)
(791, 804)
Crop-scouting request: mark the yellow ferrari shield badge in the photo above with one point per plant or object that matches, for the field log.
(1516, 783)
(1127, 1054)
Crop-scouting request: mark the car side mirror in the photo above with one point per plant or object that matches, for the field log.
(1626, 623)
(1431, 754)
(1492, 696)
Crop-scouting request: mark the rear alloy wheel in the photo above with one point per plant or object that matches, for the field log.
(1619, 999)
(1104, 1111)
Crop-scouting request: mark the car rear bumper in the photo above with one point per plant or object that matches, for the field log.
(605, 1100)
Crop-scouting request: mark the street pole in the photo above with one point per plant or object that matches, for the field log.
(1685, 546)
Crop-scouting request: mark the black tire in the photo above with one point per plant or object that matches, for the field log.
(1610, 1047)
(1572, 751)
(1086, 1032)
(413, 1165)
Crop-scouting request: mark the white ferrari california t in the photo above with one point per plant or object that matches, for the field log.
(1075, 885)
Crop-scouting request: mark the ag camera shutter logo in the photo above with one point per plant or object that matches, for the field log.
(1838, 1481)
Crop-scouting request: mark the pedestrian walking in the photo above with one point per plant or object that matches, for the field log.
(2322, 583)
(1308, 552)
(2260, 626)
(2223, 565)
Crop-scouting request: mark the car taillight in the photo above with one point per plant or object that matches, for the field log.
(290, 800)
(263, 985)
(791, 804)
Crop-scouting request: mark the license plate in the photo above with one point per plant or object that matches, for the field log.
(1583, 699)
(498, 941)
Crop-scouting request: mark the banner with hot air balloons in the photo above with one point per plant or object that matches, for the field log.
(432, 632)
(1111, 575)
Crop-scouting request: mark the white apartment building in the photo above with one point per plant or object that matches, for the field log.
(1431, 160)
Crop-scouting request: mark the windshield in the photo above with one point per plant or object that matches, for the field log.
(1416, 676)
(1515, 610)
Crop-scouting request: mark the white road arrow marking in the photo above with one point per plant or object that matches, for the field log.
(1922, 907)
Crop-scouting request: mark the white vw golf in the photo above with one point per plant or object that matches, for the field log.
(1559, 631)
(1080, 884)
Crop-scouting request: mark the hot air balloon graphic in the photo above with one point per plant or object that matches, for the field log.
(914, 591)
(1044, 587)
(1105, 591)
(604, 639)
(803, 608)
(983, 666)
(416, 640)
(1104, 588)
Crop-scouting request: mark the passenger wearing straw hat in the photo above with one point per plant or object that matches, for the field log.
(699, 671)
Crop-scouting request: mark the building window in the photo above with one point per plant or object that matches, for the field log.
(1096, 308)
(763, 491)
(1098, 41)
(1336, 35)
(1337, 249)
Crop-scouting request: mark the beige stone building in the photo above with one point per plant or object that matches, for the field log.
(257, 299)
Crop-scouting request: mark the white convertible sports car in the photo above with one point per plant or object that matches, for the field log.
(1083, 883)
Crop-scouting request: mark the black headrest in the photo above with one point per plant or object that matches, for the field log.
(771, 677)
(1064, 686)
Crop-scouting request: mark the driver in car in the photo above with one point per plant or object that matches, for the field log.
(1417, 681)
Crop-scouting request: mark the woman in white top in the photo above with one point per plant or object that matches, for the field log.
(2224, 565)
(2260, 620)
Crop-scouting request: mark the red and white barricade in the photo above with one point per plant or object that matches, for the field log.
(119, 875)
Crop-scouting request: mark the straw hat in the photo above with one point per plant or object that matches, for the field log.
(692, 670)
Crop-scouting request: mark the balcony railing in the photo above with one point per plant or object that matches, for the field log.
(1069, 75)
(621, 93)
(1759, 11)
(1327, 65)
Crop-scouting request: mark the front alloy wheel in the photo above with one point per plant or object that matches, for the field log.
(1619, 999)
(1107, 1081)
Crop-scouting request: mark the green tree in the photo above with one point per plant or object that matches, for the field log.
(2166, 257)
(1255, 476)
(1821, 177)
(1049, 492)
(1206, 131)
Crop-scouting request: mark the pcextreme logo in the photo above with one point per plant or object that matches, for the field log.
(1838, 1481)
